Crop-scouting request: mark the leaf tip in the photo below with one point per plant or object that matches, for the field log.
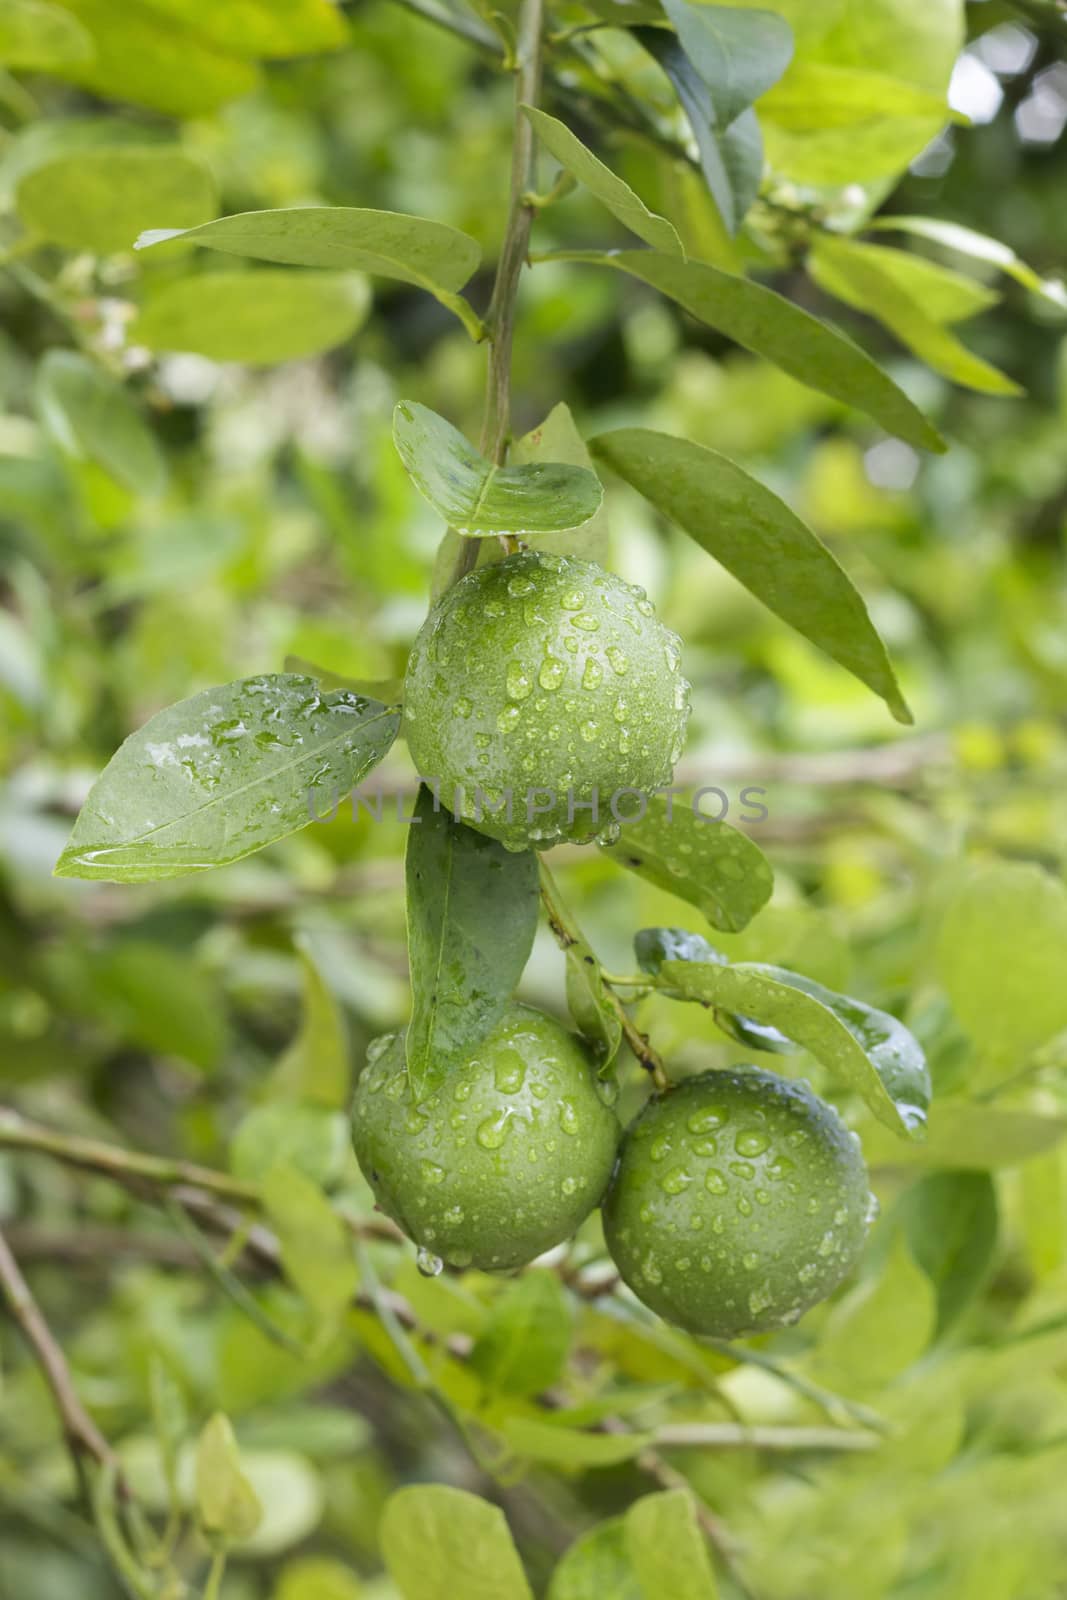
(151, 236)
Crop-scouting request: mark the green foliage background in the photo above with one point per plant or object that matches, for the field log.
(201, 521)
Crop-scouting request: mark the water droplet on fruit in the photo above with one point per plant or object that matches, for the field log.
(705, 1120)
(586, 621)
(573, 600)
(676, 1181)
(508, 718)
(593, 674)
(552, 673)
(569, 1186)
(517, 681)
(618, 660)
(462, 706)
(509, 1072)
(568, 1116)
(494, 1130)
(588, 731)
(750, 1142)
(714, 1182)
(429, 1265)
(518, 586)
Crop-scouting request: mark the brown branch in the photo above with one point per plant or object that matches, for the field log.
(83, 1437)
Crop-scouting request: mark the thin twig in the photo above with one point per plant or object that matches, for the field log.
(500, 318)
(734, 1436)
(83, 1437)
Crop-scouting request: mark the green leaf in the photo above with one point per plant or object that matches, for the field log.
(561, 1446)
(441, 1544)
(414, 250)
(215, 777)
(880, 1328)
(944, 295)
(261, 29)
(884, 65)
(308, 1138)
(99, 200)
(964, 1135)
(91, 417)
(472, 914)
(523, 1348)
(654, 946)
(390, 691)
(769, 325)
(317, 1578)
(1001, 955)
(667, 1548)
(258, 317)
(867, 1049)
(739, 54)
(316, 1066)
(976, 247)
(39, 37)
(950, 1221)
(848, 271)
(558, 439)
(161, 999)
(316, 1249)
(761, 542)
(477, 498)
(599, 179)
(731, 158)
(145, 59)
(228, 1507)
(597, 1567)
(707, 863)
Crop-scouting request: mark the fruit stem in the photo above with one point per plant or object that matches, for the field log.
(500, 318)
(567, 937)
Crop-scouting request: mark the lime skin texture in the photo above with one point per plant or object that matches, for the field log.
(505, 1160)
(740, 1199)
(542, 676)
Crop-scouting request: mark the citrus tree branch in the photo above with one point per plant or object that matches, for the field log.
(83, 1437)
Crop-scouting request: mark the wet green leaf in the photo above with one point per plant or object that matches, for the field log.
(40, 37)
(441, 1543)
(523, 1348)
(944, 295)
(472, 915)
(758, 539)
(257, 317)
(599, 179)
(215, 777)
(91, 417)
(477, 498)
(654, 946)
(849, 272)
(597, 1567)
(708, 863)
(315, 1245)
(668, 1550)
(771, 326)
(228, 1507)
(950, 1220)
(99, 200)
(738, 53)
(867, 1049)
(964, 1135)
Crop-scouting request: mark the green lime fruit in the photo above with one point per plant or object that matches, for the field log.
(739, 1200)
(538, 684)
(505, 1160)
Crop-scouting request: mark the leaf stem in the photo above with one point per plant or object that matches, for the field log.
(566, 936)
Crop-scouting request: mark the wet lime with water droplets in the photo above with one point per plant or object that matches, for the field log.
(550, 680)
(740, 1199)
(505, 1160)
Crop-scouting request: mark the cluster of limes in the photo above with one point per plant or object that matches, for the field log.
(734, 1201)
